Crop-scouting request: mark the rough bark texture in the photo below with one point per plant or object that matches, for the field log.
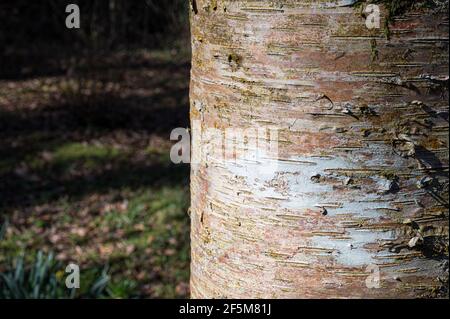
(362, 175)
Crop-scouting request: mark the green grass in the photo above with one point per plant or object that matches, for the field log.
(154, 224)
(149, 237)
(75, 151)
(44, 278)
(89, 156)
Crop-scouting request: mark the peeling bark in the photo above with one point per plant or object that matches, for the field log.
(362, 175)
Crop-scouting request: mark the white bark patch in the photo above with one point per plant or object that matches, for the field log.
(351, 252)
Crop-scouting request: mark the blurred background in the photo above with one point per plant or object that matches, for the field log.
(85, 173)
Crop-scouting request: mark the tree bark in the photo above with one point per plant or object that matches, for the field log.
(361, 184)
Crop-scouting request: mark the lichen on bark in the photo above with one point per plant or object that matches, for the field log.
(396, 8)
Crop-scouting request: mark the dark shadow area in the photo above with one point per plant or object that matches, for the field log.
(35, 40)
(42, 187)
(161, 106)
(104, 113)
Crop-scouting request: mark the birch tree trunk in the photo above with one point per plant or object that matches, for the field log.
(360, 189)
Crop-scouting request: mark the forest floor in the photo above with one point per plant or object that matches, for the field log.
(85, 170)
